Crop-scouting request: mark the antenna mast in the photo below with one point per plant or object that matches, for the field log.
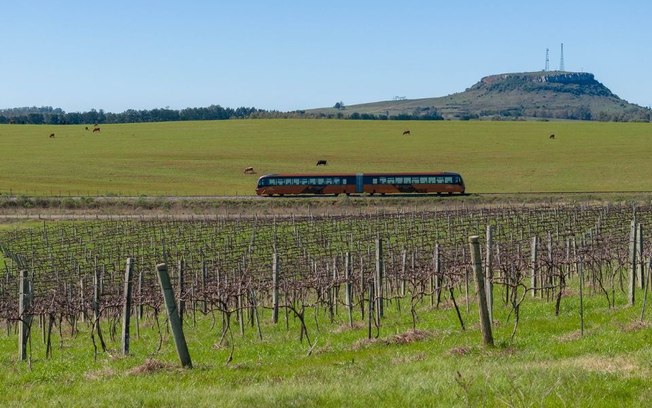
(547, 68)
(561, 61)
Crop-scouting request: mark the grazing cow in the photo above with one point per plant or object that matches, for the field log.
(249, 170)
(552, 136)
(321, 162)
(51, 134)
(86, 128)
(96, 129)
(406, 132)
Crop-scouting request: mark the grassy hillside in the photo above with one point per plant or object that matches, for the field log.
(549, 95)
(208, 158)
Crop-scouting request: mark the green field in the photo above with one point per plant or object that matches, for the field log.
(208, 158)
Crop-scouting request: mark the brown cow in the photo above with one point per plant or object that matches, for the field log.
(552, 136)
(51, 134)
(322, 162)
(249, 170)
(406, 132)
(96, 129)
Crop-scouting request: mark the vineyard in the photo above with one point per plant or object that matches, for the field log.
(241, 271)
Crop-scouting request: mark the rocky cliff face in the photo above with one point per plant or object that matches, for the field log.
(578, 83)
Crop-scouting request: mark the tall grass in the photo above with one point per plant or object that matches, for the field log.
(548, 363)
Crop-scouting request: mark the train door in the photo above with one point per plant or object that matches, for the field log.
(359, 185)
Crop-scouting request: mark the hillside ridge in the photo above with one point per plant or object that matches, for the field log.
(541, 95)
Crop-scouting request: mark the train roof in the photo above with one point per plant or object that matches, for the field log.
(385, 174)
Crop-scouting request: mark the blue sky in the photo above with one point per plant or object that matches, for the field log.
(286, 55)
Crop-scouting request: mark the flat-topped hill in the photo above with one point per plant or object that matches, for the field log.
(525, 95)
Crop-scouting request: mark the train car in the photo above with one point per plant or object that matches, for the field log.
(369, 183)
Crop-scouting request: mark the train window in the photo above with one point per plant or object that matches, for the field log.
(381, 180)
(296, 181)
(399, 180)
(374, 181)
(329, 181)
(312, 181)
(390, 180)
(423, 180)
(320, 181)
(272, 182)
(336, 180)
(440, 180)
(449, 180)
(343, 181)
(432, 180)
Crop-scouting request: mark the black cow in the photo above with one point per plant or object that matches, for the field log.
(321, 162)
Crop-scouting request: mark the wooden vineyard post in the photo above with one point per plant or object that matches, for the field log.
(534, 267)
(173, 315)
(438, 277)
(631, 285)
(348, 287)
(97, 294)
(275, 286)
(485, 323)
(126, 310)
(25, 323)
(489, 275)
(379, 279)
(639, 256)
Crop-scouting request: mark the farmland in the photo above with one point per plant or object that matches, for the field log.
(208, 158)
(375, 299)
(565, 332)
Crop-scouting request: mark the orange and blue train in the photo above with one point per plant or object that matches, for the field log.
(360, 183)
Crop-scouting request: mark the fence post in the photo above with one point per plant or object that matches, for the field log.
(639, 256)
(173, 315)
(126, 310)
(379, 279)
(489, 274)
(347, 287)
(632, 264)
(275, 285)
(485, 323)
(534, 265)
(24, 304)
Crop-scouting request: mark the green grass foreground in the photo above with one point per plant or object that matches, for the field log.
(208, 157)
(548, 364)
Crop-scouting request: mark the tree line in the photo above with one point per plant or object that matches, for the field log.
(56, 116)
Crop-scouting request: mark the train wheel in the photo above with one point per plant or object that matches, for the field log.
(336, 194)
(348, 194)
(450, 193)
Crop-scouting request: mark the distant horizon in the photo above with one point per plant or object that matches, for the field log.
(321, 107)
(296, 55)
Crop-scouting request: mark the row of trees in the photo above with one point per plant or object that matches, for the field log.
(48, 115)
(56, 116)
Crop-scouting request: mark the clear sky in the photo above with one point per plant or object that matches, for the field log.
(285, 55)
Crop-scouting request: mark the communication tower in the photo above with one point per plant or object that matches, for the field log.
(547, 68)
(561, 60)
